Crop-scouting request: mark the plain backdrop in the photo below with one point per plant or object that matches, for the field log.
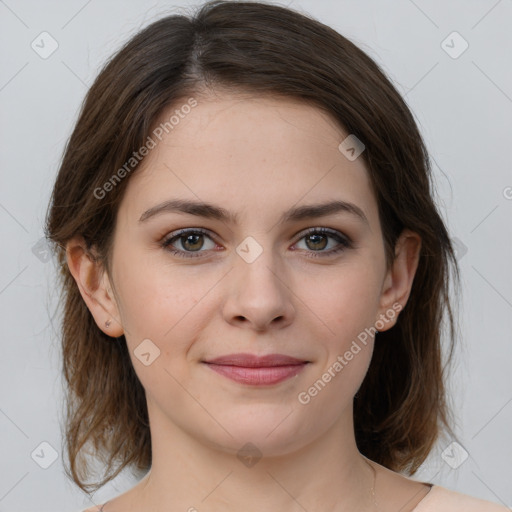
(459, 86)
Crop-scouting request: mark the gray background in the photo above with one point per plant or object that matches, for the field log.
(463, 104)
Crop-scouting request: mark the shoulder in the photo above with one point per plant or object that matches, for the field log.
(96, 508)
(440, 499)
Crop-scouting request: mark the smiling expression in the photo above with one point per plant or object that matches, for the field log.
(247, 231)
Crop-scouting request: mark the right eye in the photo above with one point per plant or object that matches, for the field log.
(190, 239)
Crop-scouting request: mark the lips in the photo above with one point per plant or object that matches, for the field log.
(254, 361)
(257, 370)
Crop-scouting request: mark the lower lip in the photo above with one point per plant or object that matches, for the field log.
(262, 376)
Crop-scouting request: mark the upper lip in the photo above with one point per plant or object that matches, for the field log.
(254, 361)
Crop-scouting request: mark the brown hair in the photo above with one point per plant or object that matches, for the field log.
(401, 407)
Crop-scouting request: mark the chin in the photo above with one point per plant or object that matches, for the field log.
(270, 434)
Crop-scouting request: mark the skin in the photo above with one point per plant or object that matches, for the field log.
(256, 157)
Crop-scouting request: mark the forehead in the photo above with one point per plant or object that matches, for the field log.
(249, 154)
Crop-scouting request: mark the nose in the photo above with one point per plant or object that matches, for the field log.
(258, 296)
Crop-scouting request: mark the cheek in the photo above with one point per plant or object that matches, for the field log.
(164, 306)
(344, 301)
(348, 306)
(156, 295)
(169, 305)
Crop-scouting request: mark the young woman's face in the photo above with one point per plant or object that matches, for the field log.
(252, 274)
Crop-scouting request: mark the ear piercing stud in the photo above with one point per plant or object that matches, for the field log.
(107, 323)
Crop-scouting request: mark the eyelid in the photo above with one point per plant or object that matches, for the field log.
(166, 239)
(183, 231)
(323, 230)
(343, 240)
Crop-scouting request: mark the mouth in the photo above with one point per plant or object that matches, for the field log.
(257, 370)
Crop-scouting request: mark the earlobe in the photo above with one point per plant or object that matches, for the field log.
(399, 278)
(94, 286)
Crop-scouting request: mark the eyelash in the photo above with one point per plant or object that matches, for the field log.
(343, 240)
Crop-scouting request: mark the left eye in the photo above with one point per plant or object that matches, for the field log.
(318, 239)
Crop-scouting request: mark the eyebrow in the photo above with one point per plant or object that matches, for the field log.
(211, 211)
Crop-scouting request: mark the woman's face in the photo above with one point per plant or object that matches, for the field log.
(252, 274)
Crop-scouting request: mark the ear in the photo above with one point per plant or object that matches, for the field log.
(94, 285)
(399, 278)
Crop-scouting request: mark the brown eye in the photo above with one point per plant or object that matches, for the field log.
(192, 242)
(185, 242)
(316, 242)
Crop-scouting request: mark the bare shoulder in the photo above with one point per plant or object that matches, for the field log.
(402, 493)
(447, 500)
(397, 491)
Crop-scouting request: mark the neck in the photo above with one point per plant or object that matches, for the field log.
(189, 474)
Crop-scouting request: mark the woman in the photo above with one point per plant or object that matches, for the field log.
(254, 274)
